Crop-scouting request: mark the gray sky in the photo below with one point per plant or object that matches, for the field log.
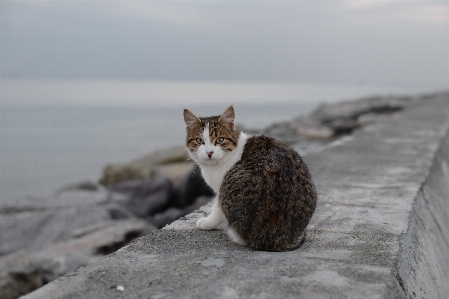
(333, 42)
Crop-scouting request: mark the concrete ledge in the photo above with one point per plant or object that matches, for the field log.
(380, 231)
(423, 264)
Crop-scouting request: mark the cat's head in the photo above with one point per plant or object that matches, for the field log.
(210, 139)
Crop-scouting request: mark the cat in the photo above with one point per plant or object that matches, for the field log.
(265, 196)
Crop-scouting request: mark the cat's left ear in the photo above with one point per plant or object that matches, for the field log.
(228, 117)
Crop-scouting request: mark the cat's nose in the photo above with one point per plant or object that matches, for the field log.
(209, 154)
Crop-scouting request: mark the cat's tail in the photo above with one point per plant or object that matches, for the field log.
(235, 236)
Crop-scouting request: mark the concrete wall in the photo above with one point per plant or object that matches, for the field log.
(380, 230)
(423, 264)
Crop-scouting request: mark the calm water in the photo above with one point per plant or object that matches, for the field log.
(44, 147)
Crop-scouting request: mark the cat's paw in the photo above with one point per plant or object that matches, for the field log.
(205, 223)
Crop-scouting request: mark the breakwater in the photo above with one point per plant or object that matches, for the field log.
(380, 229)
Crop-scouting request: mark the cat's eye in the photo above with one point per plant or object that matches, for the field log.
(199, 141)
(219, 140)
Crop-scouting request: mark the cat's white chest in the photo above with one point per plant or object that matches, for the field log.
(214, 176)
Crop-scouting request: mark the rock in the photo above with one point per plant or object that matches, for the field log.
(247, 130)
(330, 121)
(118, 211)
(369, 118)
(191, 187)
(146, 196)
(33, 225)
(68, 198)
(353, 109)
(89, 245)
(171, 214)
(36, 230)
(155, 195)
(63, 239)
(283, 132)
(344, 126)
(19, 275)
(176, 172)
(168, 216)
(166, 156)
(113, 174)
(305, 147)
(318, 132)
(86, 185)
(142, 167)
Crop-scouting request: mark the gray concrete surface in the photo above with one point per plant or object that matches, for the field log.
(380, 231)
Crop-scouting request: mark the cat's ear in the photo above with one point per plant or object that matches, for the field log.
(190, 118)
(228, 117)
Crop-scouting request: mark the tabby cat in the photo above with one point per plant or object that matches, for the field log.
(265, 196)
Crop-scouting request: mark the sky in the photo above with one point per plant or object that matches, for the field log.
(364, 42)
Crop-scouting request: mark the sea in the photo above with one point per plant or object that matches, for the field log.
(53, 134)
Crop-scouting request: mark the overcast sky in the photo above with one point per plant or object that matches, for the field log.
(332, 42)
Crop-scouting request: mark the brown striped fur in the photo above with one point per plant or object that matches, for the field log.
(268, 197)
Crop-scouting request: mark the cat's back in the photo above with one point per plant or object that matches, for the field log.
(263, 149)
(266, 157)
(268, 196)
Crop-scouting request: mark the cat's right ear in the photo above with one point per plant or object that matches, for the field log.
(190, 118)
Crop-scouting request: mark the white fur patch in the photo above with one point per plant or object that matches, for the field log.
(200, 156)
(214, 174)
(206, 136)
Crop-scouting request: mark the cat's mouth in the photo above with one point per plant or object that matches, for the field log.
(209, 160)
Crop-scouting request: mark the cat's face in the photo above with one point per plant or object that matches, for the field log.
(210, 139)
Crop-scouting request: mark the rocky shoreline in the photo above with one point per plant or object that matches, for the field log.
(44, 238)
